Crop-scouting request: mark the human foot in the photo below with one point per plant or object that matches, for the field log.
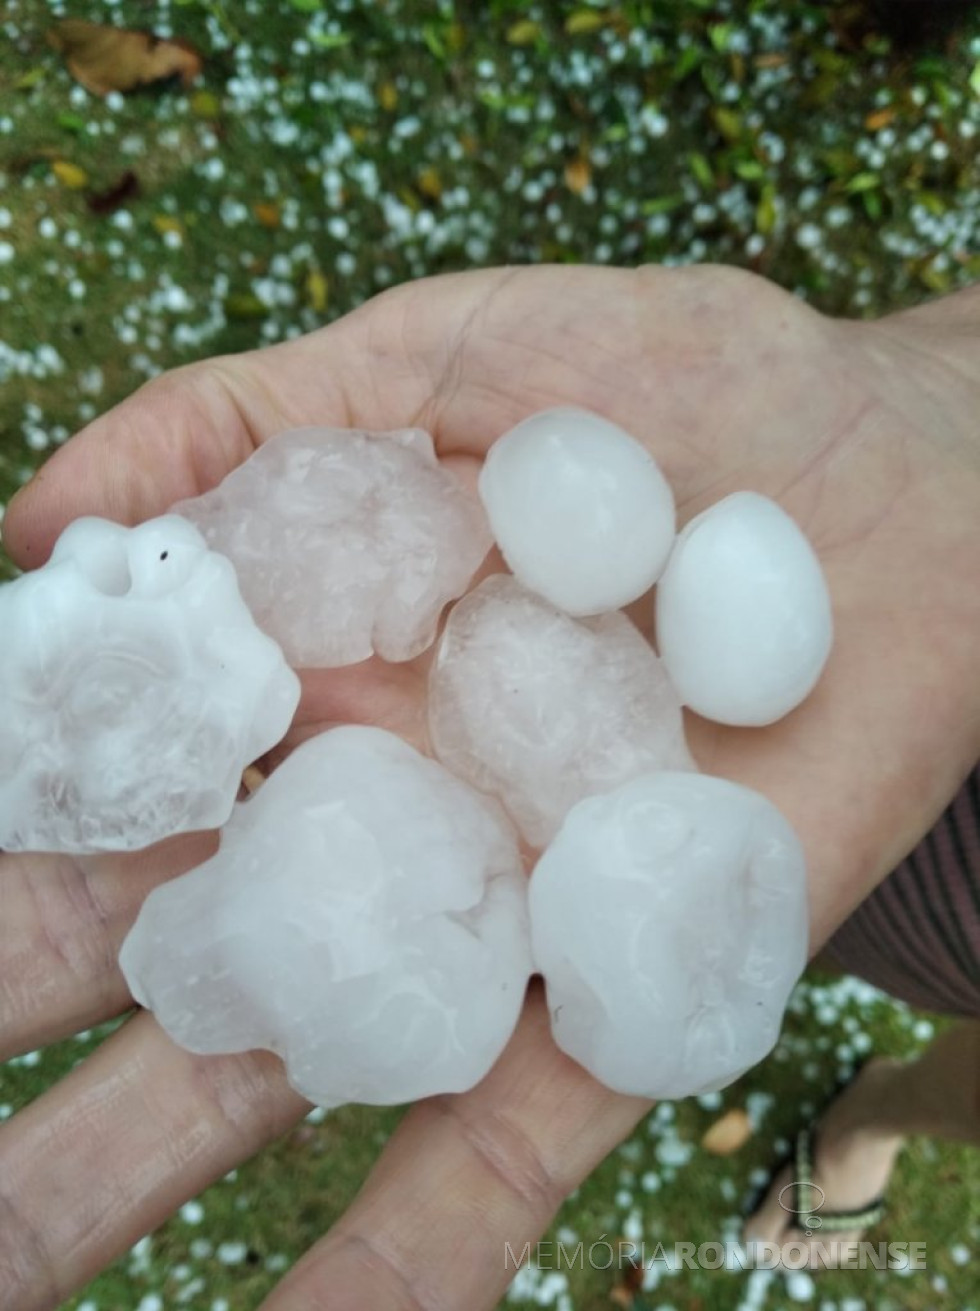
(851, 1155)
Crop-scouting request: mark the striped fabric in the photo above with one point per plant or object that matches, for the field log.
(917, 936)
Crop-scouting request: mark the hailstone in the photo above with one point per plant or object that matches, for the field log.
(136, 688)
(541, 709)
(365, 917)
(346, 543)
(744, 622)
(579, 509)
(669, 920)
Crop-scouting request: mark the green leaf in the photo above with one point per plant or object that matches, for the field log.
(205, 104)
(687, 63)
(662, 205)
(433, 39)
(937, 280)
(245, 306)
(307, 6)
(872, 204)
(934, 203)
(729, 123)
(330, 40)
(841, 162)
(584, 20)
(765, 212)
(863, 182)
(701, 169)
(975, 79)
(720, 33)
(71, 122)
(524, 32)
(27, 81)
(750, 170)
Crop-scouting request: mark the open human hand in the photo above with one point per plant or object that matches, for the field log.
(865, 434)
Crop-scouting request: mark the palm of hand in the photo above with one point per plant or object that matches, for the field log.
(733, 384)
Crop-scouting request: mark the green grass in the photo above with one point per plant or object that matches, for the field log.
(270, 1210)
(799, 140)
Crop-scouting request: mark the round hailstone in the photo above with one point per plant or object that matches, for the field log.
(669, 921)
(542, 710)
(744, 623)
(579, 509)
(136, 689)
(365, 917)
(346, 543)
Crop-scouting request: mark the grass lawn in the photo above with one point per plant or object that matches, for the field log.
(330, 151)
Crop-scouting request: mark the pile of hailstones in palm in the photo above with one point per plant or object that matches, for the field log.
(375, 909)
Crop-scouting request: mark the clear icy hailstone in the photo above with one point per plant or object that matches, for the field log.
(669, 920)
(346, 543)
(365, 917)
(542, 710)
(579, 509)
(744, 622)
(136, 689)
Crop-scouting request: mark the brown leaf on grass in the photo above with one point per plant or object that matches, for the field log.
(880, 118)
(267, 213)
(107, 202)
(69, 174)
(108, 59)
(732, 1131)
(578, 175)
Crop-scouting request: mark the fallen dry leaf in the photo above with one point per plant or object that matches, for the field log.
(105, 59)
(578, 175)
(732, 1131)
(880, 118)
(267, 213)
(69, 175)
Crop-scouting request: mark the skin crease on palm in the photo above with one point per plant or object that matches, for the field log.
(866, 433)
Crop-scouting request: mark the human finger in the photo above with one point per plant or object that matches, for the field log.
(117, 1146)
(465, 1182)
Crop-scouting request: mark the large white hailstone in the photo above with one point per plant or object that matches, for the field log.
(346, 543)
(669, 920)
(744, 622)
(136, 688)
(365, 917)
(579, 509)
(542, 710)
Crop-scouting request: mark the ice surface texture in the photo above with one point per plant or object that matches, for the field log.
(365, 917)
(345, 542)
(669, 921)
(542, 710)
(136, 689)
(743, 614)
(579, 509)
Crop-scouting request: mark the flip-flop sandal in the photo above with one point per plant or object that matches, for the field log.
(810, 1218)
(800, 1158)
